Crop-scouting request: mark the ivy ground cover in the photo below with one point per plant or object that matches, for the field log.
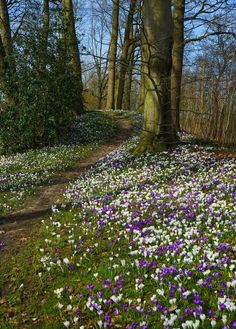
(149, 242)
(22, 172)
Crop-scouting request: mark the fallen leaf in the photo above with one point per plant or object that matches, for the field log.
(172, 308)
(11, 311)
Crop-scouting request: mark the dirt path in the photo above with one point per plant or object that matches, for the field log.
(17, 226)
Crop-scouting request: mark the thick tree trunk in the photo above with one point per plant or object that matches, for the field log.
(124, 61)
(5, 31)
(7, 60)
(157, 133)
(177, 61)
(112, 57)
(71, 49)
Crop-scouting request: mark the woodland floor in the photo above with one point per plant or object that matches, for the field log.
(184, 198)
(18, 226)
(20, 231)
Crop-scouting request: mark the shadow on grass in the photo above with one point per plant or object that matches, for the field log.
(7, 219)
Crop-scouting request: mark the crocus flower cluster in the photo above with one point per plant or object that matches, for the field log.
(148, 242)
(21, 173)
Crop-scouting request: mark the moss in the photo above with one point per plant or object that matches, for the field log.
(140, 108)
(150, 143)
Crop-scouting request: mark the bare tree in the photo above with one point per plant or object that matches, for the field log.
(177, 61)
(124, 58)
(45, 33)
(100, 62)
(112, 57)
(209, 91)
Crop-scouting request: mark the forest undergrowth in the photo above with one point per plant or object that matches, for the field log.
(21, 174)
(147, 242)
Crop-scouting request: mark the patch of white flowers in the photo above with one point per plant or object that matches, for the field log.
(149, 241)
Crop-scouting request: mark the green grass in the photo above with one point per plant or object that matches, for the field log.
(23, 292)
(22, 173)
(138, 227)
(23, 301)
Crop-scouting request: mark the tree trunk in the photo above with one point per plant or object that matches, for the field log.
(45, 33)
(5, 31)
(3, 66)
(177, 61)
(129, 79)
(7, 60)
(141, 100)
(71, 49)
(124, 54)
(112, 57)
(157, 133)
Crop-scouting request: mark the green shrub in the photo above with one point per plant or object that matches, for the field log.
(41, 115)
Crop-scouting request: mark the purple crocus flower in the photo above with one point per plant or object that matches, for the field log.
(126, 306)
(100, 294)
(107, 317)
(222, 307)
(90, 286)
(70, 267)
(210, 199)
(77, 312)
(116, 311)
(2, 244)
(159, 307)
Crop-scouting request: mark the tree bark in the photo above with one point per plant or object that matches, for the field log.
(129, 79)
(177, 61)
(7, 60)
(112, 57)
(71, 49)
(157, 134)
(124, 62)
(141, 100)
(5, 31)
(45, 33)
(3, 67)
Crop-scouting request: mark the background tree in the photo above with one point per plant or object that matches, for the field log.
(208, 108)
(7, 60)
(45, 33)
(70, 46)
(95, 78)
(126, 54)
(210, 29)
(42, 66)
(5, 31)
(112, 56)
(177, 61)
(48, 82)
